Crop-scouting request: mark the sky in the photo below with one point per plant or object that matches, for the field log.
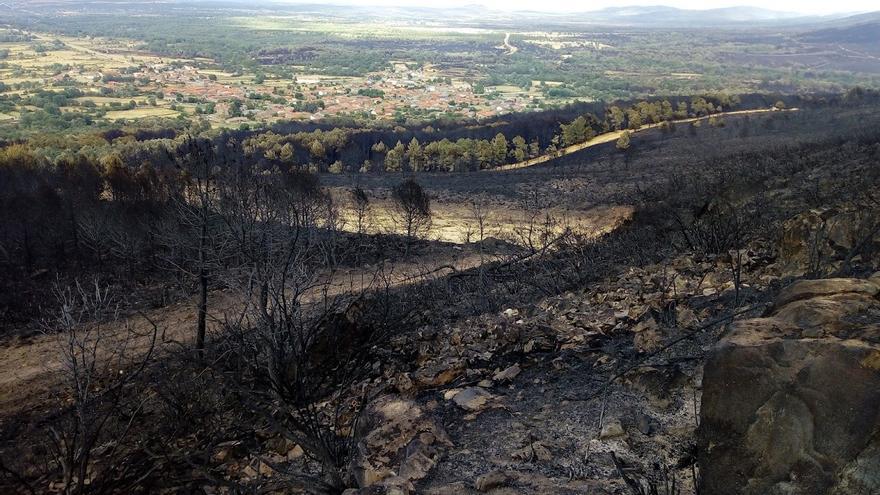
(801, 6)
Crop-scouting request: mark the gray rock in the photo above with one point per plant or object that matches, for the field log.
(643, 423)
(492, 480)
(612, 429)
(507, 374)
(473, 399)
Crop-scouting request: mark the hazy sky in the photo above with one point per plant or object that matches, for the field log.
(804, 6)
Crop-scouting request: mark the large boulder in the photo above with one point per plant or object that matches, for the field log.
(791, 401)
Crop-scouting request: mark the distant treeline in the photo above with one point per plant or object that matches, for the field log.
(445, 147)
(340, 146)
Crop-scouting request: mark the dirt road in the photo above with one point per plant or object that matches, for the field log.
(510, 48)
(31, 368)
(615, 135)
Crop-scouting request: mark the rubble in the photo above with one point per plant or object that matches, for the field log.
(516, 389)
(399, 444)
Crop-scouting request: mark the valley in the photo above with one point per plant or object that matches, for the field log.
(288, 248)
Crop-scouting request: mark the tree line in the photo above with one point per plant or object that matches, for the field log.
(339, 150)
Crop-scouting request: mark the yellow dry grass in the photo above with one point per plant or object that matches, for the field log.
(140, 113)
(457, 223)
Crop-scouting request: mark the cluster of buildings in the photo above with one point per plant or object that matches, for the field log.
(424, 92)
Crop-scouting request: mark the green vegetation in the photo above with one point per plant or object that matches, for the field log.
(582, 61)
(344, 149)
(205, 67)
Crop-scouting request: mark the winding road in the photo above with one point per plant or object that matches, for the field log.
(510, 48)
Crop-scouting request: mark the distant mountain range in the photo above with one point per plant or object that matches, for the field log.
(861, 29)
(839, 28)
(662, 16)
(647, 16)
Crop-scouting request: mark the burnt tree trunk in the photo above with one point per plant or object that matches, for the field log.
(203, 287)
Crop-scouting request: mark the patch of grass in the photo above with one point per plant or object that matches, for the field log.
(140, 113)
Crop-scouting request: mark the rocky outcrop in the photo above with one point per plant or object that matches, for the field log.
(818, 240)
(791, 401)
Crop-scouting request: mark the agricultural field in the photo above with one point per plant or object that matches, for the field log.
(109, 80)
(231, 66)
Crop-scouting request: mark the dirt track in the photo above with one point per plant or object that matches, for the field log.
(30, 368)
(615, 135)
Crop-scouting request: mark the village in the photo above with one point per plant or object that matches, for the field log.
(116, 81)
(396, 93)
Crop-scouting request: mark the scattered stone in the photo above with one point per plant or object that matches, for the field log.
(647, 336)
(542, 453)
(492, 480)
(449, 394)
(250, 472)
(265, 469)
(473, 399)
(295, 453)
(533, 451)
(439, 373)
(279, 445)
(612, 429)
(507, 374)
(395, 435)
(229, 451)
(643, 423)
(540, 338)
(404, 384)
(685, 317)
